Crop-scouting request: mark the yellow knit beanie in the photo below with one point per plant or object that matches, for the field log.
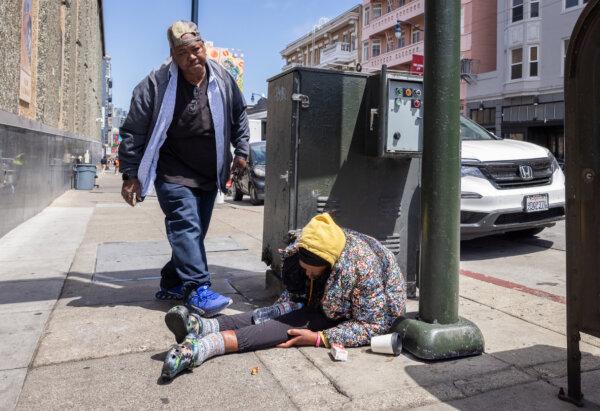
(324, 238)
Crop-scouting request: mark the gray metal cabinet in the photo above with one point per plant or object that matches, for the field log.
(318, 134)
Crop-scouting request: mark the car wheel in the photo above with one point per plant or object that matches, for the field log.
(236, 193)
(254, 196)
(530, 232)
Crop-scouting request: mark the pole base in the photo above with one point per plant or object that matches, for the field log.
(439, 341)
(576, 400)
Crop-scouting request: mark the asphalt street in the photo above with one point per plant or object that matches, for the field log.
(537, 262)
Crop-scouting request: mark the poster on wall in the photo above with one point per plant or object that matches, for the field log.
(233, 63)
(26, 51)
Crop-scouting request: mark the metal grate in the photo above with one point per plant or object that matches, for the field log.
(505, 174)
(522, 217)
(328, 205)
(470, 217)
(322, 204)
(392, 243)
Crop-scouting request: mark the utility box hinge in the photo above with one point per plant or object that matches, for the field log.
(303, 99)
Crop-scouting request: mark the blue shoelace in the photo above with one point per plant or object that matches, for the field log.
(206, 293)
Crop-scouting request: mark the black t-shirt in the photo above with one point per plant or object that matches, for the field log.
(189, 154)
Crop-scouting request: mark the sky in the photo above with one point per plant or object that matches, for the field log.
(135, 34)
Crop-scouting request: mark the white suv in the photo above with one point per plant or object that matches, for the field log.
(507, 185)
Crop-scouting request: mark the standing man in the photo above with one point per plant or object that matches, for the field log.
(182, 119)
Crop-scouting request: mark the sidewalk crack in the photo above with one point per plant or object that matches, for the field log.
(336, 386)
(283, 388)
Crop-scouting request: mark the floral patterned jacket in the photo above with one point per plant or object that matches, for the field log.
(365, 288)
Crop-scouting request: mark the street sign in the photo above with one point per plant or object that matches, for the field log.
(417, 65)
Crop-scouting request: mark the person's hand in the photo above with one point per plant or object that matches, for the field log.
(239, 164)
(300, 336)
(131, 191)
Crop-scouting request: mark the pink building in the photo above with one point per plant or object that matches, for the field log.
(379, 44)
(477, 41)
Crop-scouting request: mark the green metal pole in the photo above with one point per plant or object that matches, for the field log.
(437, 332)
(438, 292)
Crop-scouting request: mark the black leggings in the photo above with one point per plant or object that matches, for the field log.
(253, 337)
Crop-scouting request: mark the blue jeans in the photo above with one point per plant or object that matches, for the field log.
(187, 217)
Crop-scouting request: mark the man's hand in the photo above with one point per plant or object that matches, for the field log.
(239, 164)
(300, 336)
(131, 191)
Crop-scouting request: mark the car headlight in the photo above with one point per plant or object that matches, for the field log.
(555, 166)
(259, 172)
(471, 171)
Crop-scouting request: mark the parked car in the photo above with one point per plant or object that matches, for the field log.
(251, 180)
(507, 185)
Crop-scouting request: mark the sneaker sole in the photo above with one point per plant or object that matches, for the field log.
(167, 296)
(208, 314)
(177, 324)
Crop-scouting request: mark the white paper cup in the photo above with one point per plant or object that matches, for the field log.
(387, 344)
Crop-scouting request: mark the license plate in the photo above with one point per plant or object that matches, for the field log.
(538, 202)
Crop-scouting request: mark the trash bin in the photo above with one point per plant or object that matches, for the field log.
(85, 176)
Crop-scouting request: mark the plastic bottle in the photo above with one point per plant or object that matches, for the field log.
(263, 314)
(86, 157)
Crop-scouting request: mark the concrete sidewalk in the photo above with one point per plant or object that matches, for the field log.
(79, 327)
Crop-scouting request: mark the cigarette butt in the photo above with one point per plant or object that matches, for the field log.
(254, 371)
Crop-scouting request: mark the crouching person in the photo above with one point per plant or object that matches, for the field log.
(341, 287)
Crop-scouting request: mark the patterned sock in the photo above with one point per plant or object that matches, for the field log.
(210, 346)
(181, 323)
(202, 326)
(192, 352)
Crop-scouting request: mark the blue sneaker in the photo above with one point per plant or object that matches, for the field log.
(206, 302)
(173, 293)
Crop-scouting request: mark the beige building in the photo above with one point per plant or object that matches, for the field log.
(332, 44)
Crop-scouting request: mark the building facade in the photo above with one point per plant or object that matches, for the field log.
(50, 99)
(257, 120)
(379, 43)
(393, 34)
(331, 44)
(522, 97)
(477, 42)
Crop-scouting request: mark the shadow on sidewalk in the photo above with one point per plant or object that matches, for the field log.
(488, 248)
(527, 378)
(136, 287)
